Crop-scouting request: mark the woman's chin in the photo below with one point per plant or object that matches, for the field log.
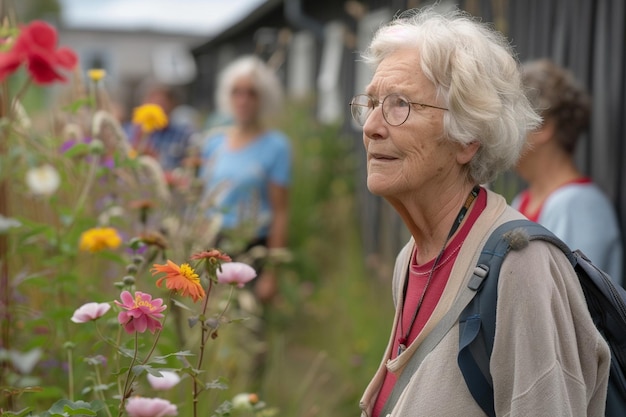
(378, 186)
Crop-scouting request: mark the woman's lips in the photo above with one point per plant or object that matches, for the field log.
(382, 157)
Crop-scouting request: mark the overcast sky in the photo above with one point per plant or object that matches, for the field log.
(201, 17)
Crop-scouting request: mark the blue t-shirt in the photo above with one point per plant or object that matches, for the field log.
(237, 181)
(584, 218)
(170, 144)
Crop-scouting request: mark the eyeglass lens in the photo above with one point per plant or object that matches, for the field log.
(395, 108)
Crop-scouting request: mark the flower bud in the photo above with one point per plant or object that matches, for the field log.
(96, 147)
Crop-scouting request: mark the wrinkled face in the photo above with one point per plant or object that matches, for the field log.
(244, 101)
(412, 157)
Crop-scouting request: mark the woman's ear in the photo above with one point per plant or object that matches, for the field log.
(467, 152)
(542, 134)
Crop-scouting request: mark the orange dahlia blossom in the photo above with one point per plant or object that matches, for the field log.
(182, 279)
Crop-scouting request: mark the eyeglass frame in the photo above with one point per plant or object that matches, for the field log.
(381, 103)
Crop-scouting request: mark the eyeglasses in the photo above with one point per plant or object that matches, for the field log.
(396, 108)
(247, 92)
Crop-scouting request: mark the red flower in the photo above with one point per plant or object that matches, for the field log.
(213, 253)
(35, 46)
(9, 63)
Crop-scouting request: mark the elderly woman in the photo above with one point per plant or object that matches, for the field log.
(445, 112)
(247, 167)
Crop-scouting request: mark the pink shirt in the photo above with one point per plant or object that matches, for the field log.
(418, 275)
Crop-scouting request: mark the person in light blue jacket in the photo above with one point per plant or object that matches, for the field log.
(559, 196)
(247, 166)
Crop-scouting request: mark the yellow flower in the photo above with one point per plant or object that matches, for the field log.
(96, 74)
(150, 117)
(99, 238)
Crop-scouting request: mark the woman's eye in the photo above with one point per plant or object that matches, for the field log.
(400, 102)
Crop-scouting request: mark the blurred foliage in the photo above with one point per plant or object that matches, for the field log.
(31, 9)
(329, 331)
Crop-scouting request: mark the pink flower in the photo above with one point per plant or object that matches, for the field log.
(90, 311)
(166, 381)
(150, 407)
(141, 312)
(235, 273)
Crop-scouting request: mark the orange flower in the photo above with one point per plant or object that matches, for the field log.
(180, 278)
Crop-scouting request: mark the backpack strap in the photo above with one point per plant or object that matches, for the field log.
(441, 329)
(477, 323)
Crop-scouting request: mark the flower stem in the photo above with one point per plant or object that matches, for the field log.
(82, 198)
(129, 379)
(230, 297)
(70, 365)
(99, 391)
(18, 97)
(5, 286)
(203, 339)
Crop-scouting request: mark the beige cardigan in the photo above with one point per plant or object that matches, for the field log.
(543, 362)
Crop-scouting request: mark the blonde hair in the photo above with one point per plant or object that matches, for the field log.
(265, 80)
(475, 74)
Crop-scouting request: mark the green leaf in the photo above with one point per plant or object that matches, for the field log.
(223, 410)
(16, 413)
(78, 411)
(129, 353)
(64, 408)
(219, 383)
(77, 150)
(77, 104)
(139, 369)
(161, 359)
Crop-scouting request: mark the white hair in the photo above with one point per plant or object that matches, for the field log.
(265, 80)
(476, 75)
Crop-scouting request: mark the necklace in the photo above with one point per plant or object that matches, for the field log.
(402, 340)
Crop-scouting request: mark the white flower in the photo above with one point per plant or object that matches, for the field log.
(244, 401)
(235, 273)
(43, 180)
(111, 212)
(166, 381)
(90, 311)
(7, 223)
